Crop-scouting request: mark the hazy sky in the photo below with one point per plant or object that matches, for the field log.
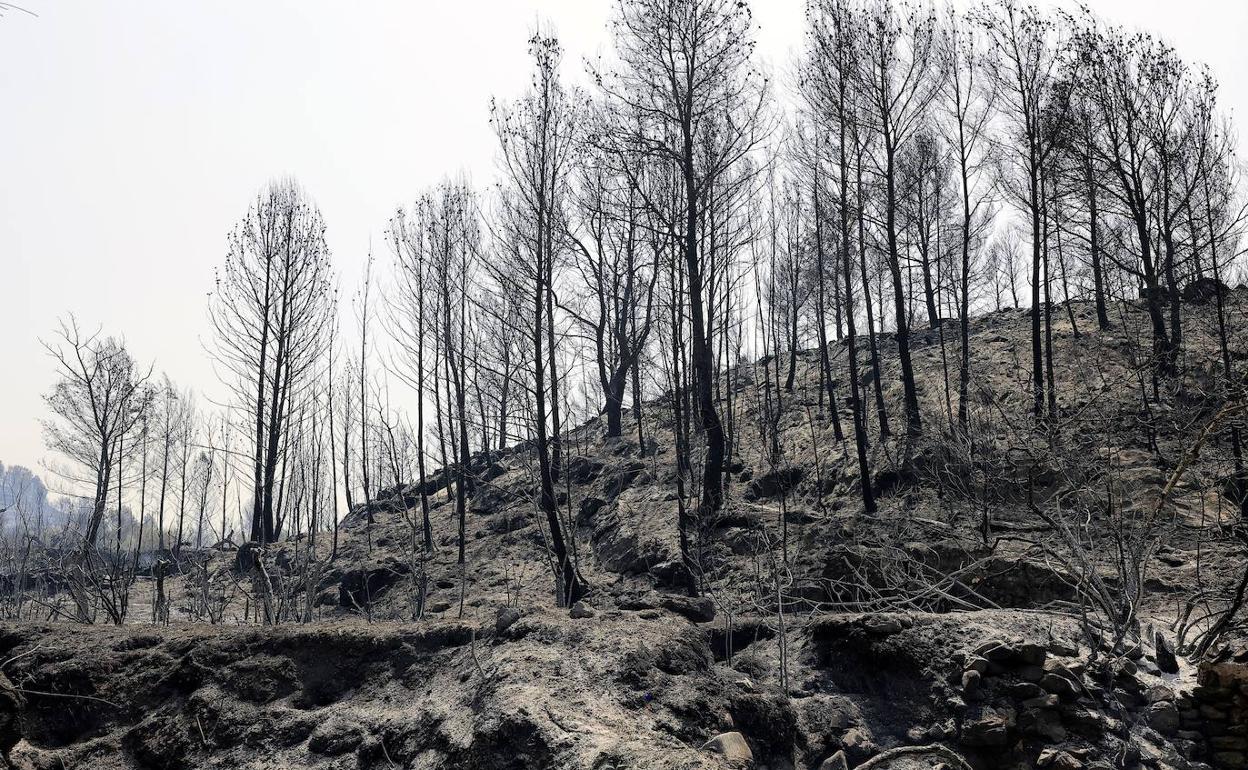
(133, 134)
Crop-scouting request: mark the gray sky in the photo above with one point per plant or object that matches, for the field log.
(133, 134)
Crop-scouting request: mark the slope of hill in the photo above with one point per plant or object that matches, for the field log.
(978, 619)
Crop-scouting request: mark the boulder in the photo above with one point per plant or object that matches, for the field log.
(622, 548)
(774, 483)
(1163, 716)
(583, 470)
(1203, 290)
(700, 609)
(858, 744)
(732, 747)
(505, 618)
(588, 508)
(360, 587)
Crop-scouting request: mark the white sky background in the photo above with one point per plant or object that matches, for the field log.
(133, 135)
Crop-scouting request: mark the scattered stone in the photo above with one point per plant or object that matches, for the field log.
(581, 610)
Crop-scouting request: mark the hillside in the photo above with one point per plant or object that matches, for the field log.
(970, 619)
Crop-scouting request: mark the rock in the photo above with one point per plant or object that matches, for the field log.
(1163, 717)
(671, 573)
(582, 470)
(623, 548)
(991, 728)
(1046, 701)
(1030, 673)
(858, 744)
(1043, 723)
(506, 521)
(1203, 290)
(622, 476)
(1158, 693)
(360, 587)
(1236, 760)
(731, 746)
(1060, 680)
(581, 610)
(1064, 648)
(1058, 760)
(883, 625)
(977, 664)
(589, 507)
(1032, 654)
(835, 762)
(1166, 660)
(12, 703)
(971, 680)
(441, 605)
(774, 483)
(505, 619)
(1025, 690)
(996, 651)
(1228, 743)
(700, 609)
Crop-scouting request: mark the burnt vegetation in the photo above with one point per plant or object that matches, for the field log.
(888, 416)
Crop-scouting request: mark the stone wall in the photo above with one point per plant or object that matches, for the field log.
(1213, 717)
